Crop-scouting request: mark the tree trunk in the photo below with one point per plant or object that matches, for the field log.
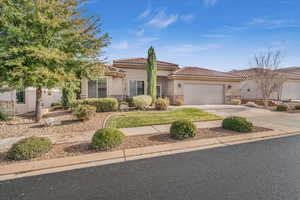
(38, 104)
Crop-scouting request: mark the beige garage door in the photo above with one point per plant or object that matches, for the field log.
(196, 94)
(291, 90)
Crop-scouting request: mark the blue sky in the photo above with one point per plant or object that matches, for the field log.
(216, 34)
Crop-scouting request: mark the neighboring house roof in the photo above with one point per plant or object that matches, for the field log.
(113, 71)
(292, 73)
(197, 73)
(290, 69)
(140, 63)
(244, 72)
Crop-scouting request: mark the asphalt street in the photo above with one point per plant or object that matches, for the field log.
(267, 170)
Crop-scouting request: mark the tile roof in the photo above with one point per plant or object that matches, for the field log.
(143, 61)
(114, 69)
(197, 71)
(289, 73)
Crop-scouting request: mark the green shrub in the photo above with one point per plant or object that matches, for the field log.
(56, 104)
(142, 102)
(29, 148)
(161, 104)
(179, 102)
(297, 107)
(4, 116)
(69, 94)
(101, 104)
(182, 129)
(107, 138)
(236, 102)
(130, 102)
(281, 107)
(238, 124)
(167, 100)
(84, 112)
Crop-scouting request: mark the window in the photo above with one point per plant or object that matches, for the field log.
(136, 88)
(158, 91)
(97, 88)
(20, 96)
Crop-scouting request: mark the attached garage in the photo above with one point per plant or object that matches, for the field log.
(291, 90)
(201, 94)
(199, 86)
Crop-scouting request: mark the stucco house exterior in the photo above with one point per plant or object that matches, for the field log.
(128, 77)
(289, 91)
(23, 100)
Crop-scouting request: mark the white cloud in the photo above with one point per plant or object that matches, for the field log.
(145, 14)
(187, 18)
(268, 22)
(214, 35)
(121, 45)
(210, 2)
(162, 20)
(147, 40)
(263, 23)
(191, 48)
(139, 32)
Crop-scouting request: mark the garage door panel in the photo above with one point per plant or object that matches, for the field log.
(199, 94)
(291, 90)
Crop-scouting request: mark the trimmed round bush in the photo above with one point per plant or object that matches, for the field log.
(4, 116)
(29, 148)
(281, 107)
(236, 102)
(107, 138)
(297, 107)
(161, 104)
(101, 104)
(179, 102)
(84, 112)
(142, 102)
(182, 129)
(239, 124)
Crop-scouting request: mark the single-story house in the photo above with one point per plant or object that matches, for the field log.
(23, 100)
(289, 91)
(128, 77)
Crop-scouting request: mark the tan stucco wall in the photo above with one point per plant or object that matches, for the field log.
(115, 86)
(291, 90)
(178, 92)
(120, 86)
(48, 97)
(84, 88)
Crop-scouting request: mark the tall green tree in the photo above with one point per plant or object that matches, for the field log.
(44, 43)
(151, 73)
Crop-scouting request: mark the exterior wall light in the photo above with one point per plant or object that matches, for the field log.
(179, 85)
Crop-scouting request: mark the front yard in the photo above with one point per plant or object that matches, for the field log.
(136, 119)
(69, 127)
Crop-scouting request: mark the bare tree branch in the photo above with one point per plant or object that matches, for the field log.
(266, 75)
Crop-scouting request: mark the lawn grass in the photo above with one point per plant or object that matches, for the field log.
(147, 118)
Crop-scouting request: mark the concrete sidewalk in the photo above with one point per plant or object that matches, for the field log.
(144, 130)
(23, 169)
(154, 129)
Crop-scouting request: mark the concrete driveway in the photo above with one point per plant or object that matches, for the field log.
(260, 117)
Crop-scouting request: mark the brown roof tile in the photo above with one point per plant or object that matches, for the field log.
(197, 71)
(143, 62)
(289, 73)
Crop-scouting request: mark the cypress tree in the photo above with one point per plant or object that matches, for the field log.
(151, 73)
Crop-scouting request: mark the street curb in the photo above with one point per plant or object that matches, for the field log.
(98, 159)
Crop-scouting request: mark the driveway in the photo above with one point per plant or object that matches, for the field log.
(258, 116)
